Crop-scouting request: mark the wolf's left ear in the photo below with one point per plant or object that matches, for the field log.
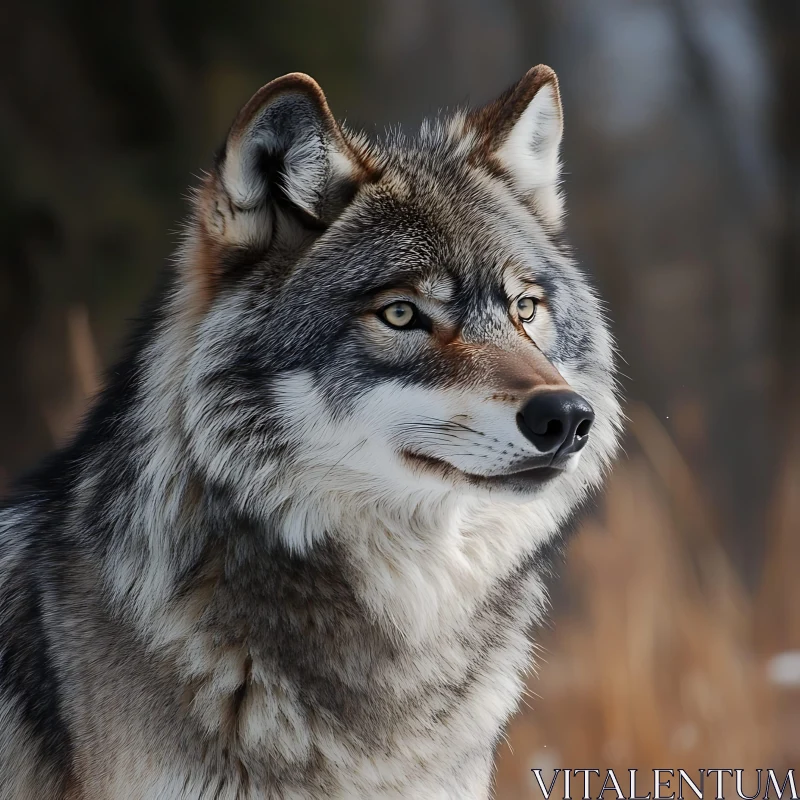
(285, 156)
(521, 132)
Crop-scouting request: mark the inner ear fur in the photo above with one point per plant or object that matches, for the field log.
(519, 134)
(494, 121)
(285, 156)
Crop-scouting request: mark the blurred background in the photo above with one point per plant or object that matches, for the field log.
(675, 639)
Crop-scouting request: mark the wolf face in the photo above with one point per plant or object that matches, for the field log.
(395, 322)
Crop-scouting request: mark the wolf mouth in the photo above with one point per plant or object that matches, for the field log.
(526, 479)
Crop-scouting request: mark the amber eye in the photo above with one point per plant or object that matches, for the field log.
(526, 308)
(400, 314)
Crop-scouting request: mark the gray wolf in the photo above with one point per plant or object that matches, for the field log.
(296, 547)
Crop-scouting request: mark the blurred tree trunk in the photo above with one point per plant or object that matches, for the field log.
(669, 169)
(452, 52)
(782, 21)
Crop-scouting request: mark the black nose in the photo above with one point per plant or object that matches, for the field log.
(556, 421)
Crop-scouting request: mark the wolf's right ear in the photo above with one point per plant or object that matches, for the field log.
(284, 151)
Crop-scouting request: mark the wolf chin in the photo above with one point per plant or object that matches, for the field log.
(296, 548)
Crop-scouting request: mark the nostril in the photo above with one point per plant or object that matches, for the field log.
(554, 429)
(543, 430)
(583, 428)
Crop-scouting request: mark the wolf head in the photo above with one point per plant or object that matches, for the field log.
(391, 325)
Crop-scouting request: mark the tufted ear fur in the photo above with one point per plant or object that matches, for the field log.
(520, 133)
(285, 160)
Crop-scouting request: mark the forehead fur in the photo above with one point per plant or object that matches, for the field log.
(434, 213)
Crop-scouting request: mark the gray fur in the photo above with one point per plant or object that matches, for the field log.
(234, 583)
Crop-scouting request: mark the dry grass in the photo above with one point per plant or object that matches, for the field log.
(662, 658)
(85, 371)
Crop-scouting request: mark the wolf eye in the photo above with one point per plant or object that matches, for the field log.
(400, 314)
(526, 308)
